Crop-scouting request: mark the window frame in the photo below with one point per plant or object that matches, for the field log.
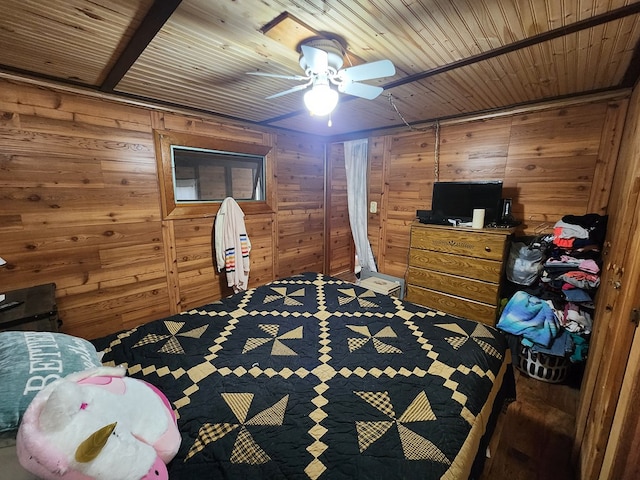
(163, 140)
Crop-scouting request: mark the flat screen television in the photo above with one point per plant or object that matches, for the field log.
(456, 200)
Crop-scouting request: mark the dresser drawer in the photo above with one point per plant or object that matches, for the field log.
(454, 285)
(479, 268)
(459, 242)
(453, 305)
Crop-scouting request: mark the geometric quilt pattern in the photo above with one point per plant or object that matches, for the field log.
(312, 377)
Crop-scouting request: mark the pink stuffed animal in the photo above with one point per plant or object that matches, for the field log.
(98, 424)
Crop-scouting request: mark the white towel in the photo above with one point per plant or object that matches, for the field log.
(232, 245)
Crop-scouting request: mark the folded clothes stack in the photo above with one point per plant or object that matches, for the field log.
(562, 296)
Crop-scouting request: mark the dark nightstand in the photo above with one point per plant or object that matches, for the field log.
(36, 309)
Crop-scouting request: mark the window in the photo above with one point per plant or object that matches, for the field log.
(197, 173)
(202, 175)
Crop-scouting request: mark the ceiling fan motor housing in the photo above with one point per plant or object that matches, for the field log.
(334, 53)
(322, 61)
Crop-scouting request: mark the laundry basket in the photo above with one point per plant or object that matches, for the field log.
(541, 366)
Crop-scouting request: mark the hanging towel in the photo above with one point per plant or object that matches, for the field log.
(232, 245)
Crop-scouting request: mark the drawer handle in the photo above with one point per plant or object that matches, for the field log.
(487, 249)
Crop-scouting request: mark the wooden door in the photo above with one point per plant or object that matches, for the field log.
(622, 456)
(602, 396)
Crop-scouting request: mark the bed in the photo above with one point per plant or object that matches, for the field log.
(310, 377)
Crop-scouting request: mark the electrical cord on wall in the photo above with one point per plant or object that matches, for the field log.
(436, 126)
(436, 154)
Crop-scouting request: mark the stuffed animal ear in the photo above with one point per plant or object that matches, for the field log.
(102, 371)
(64, 402)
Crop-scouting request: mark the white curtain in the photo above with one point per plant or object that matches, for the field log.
(355, 162)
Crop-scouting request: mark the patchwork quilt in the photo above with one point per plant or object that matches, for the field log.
(310, 377)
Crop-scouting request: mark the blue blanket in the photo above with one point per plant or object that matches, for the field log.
(530, 317)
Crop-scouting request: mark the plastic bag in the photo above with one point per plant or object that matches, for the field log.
(524, 263)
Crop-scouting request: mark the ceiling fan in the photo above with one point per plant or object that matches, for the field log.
(322, 61)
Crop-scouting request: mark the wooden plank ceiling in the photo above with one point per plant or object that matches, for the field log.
(453, 57)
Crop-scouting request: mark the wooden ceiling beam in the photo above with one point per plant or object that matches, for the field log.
(153, 21)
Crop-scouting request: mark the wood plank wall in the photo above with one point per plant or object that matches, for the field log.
(80, 206)
(80, 201)
(553, 162)
(300, 182)
(190, 265)
(340, 253)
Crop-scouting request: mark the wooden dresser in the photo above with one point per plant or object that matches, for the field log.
(457, 270)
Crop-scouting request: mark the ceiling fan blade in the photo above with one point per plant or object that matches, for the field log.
(291, 90)
(317, 60)
(361, 90)
(367, 71)
(275, 75)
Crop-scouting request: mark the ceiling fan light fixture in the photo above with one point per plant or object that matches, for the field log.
(321, 100)
(322, 60)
